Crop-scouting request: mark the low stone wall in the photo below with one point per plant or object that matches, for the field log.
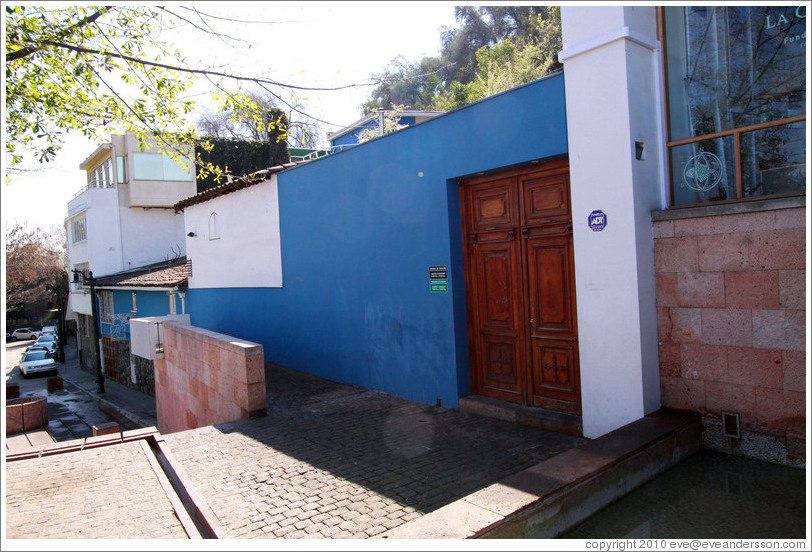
(26, 414)
(207, 378)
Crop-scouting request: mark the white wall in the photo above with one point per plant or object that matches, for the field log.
(611, 70)
(248, 250)
(103, 232)
(150, 235)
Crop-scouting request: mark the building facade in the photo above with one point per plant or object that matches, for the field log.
(122, 220)
(601, 243)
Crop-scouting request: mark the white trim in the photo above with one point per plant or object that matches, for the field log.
(92, 158)
(133, 288)
(372, 116)
(608, 38)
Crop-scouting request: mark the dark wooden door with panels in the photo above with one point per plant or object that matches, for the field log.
(520, 286)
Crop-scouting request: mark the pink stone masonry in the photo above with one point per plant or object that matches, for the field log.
(207, 378)
(731, 298)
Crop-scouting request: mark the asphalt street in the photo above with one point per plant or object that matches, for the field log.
(71, 411)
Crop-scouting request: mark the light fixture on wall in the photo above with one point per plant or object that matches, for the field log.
(191, 234)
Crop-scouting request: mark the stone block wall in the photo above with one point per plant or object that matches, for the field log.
(144, 375)
(207, 378)
(731, 299)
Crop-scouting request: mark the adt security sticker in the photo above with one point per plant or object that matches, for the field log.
(597, 220)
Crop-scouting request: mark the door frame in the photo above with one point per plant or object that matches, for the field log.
(559, 164)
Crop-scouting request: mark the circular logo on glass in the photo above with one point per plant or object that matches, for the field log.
(703, 172)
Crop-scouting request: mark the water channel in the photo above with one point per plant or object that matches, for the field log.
(708, 496)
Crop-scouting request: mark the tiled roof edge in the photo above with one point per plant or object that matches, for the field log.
(237, 184)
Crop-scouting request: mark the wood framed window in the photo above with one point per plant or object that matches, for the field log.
(735, 102)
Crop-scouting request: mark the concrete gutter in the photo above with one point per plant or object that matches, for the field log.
(553, 496)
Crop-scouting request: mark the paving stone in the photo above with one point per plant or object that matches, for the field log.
(323, 463)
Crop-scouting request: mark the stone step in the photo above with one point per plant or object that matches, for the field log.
(539, 418)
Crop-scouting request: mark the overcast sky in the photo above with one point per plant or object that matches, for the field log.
(304, 43)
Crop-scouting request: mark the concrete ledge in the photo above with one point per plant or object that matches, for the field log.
(63, 447)
(733, 208)
(547, 499)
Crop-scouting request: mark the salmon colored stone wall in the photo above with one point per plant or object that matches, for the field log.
(207, 378)
(731, 299)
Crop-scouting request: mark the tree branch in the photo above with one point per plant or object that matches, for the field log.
(139, 61)
(25, 52)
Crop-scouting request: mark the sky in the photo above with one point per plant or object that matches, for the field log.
(304, 43)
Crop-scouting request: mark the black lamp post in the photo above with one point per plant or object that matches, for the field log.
(97, 358)
(60, 310)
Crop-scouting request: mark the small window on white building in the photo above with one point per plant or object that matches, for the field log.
(108, 310)
(78, 229)
(101, 176)
(121, 166)
(84, 268)
(214, 233)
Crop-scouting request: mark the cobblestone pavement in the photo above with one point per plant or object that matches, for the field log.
(106, 492)
(333, 461)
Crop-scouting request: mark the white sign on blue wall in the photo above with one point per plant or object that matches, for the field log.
(597, 220)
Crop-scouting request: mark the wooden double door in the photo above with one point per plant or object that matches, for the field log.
(520, 286)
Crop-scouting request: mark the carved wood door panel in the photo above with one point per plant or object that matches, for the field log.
(520, 286)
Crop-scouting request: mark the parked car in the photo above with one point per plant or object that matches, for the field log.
(24, 333)
(48, 340)
(49, 330)
(41, 347)
(37, 360)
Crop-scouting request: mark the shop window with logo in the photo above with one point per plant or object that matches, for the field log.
(736, 97)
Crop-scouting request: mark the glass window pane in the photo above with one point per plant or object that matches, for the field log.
(731, 67)
(122, 174)
(773, 160)
(147, 166)
(109, 173)
(703, 171)
(173, 170)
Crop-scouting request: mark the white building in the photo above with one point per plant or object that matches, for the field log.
(124, 218)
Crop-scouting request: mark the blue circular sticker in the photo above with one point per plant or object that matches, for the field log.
(597, 220)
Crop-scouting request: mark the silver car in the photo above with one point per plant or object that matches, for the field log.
(37, 360)
(48, 340)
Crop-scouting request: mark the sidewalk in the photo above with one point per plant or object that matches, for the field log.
(335, 461)
(131, 408)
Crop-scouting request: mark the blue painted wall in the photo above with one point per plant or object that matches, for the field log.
(359, 231)
(148, 303)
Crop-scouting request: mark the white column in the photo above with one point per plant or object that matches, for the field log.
(612, 78)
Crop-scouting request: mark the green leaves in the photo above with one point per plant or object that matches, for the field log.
(59, 64)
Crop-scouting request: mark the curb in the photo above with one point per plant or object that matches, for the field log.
(105, 405)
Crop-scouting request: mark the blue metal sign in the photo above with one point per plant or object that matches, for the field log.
(597, 220)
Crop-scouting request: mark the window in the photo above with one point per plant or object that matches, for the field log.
(736, 95)
(214, 234)
(84, 268)
(121, 165)
(101, 176)
(78, 229)
(150, 166)
(108, 312)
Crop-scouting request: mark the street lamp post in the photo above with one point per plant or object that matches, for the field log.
(60, 310)
(94, 313)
